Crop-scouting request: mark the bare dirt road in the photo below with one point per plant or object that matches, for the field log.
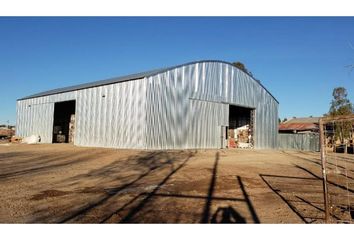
(62, 183)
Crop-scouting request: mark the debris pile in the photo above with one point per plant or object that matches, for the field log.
(240, 137)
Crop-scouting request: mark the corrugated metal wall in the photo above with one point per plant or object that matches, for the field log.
(184, 107)
(300, 141)
(188, 105)
(116, 120)
(35, 115)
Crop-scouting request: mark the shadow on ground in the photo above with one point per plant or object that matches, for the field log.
(137, 189)
(307, 203)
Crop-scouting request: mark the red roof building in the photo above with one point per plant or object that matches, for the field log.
(299, 125)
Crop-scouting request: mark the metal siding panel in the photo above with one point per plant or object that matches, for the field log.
(35, 120)
(301, 141)
(211, 83)
(99, 121)
(156, 112)
(205, 125)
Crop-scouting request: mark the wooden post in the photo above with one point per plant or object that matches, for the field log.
(324, 174)
(222, 137)
(345, 148)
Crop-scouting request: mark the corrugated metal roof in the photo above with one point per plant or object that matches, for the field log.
(128, 78)
(303, 120)
(97, 83)
(6, 132)
(297, 126)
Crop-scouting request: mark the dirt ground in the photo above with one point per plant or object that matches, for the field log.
(61, 183)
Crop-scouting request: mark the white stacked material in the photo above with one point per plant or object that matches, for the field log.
(33, 139)
(244, 145)
(72, 128)
(241, 133)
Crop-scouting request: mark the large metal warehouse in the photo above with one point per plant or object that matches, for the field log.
(187, 106)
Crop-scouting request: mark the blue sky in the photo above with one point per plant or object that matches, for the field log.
(298, 59)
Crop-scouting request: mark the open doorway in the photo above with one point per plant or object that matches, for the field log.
(64, 122)
(241, 127)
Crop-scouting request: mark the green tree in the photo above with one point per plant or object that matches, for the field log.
(340, 106)
(242, 67)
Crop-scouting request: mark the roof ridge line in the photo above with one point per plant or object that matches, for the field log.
(131, 77)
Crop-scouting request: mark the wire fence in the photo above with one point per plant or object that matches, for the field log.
(337, 158)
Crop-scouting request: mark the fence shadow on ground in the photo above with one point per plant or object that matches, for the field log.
(299, 194)
(141, 201)
(338, 169)
(145, 165)
(35, 164)
(228, 214)
(331, 166)
(137, 167)
(332, 183)
(278, 184)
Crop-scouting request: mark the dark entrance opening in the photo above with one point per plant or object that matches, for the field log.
(241, 127)
(64, 122)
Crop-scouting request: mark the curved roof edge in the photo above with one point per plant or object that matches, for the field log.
(130, 78)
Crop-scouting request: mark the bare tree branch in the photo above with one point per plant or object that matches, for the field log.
(350, 66)
(350, 45)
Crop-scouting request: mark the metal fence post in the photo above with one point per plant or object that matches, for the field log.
(324, 174)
